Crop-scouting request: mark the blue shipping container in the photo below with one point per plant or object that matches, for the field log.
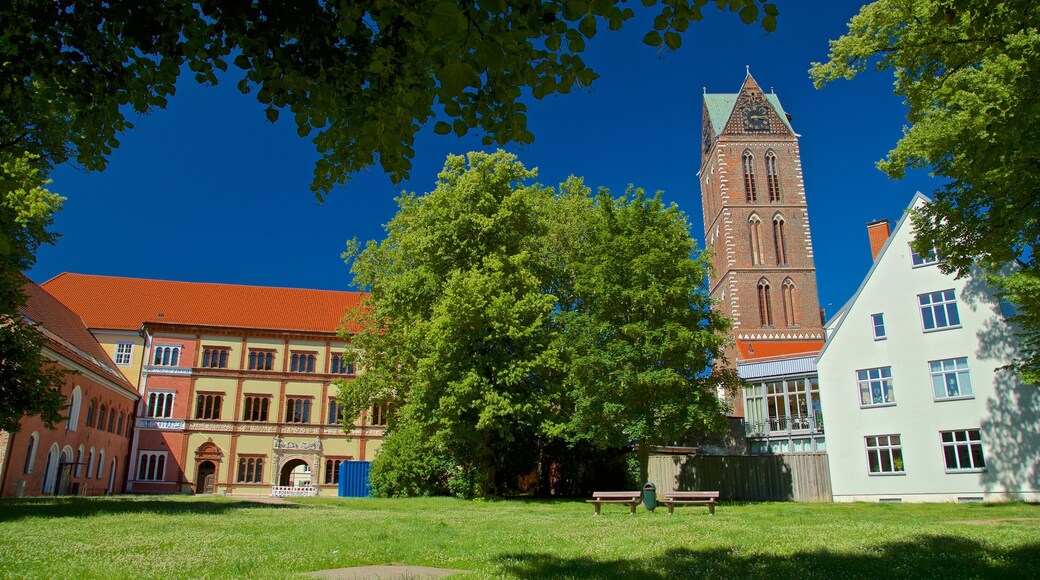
(353, 479)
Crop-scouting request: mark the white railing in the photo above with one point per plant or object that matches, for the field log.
(293, 491)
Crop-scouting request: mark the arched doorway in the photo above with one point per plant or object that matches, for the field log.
(295, 473)
(64, 472)
(205, 477)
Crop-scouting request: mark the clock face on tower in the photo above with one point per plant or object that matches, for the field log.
(757, 119)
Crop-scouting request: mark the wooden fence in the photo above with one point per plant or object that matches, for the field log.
(786, 477)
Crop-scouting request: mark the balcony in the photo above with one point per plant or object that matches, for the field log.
(785, 426)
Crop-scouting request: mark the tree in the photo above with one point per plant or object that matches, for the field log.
(506, 318)
(27, 385)
(643, 333)
(968, 72)
(364, 77)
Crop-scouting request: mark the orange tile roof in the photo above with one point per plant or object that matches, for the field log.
(66, 333)
(775, 349)
(114, 303)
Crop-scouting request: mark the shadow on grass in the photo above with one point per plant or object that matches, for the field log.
(83, 507)
(925, 557)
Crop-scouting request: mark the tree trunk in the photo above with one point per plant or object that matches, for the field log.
(644, 461)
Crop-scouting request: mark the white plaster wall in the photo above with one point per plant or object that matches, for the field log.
(1007, 414)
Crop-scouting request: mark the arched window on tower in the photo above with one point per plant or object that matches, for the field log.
(755, 233)
(765, 309)
(788, 291)
(772, 177)
(778, 240)
(747, 160)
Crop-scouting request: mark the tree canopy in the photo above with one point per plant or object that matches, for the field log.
(27, 385)
(360, 78)
(968, 70)
(508, 321)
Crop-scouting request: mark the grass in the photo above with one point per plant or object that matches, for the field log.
(207, 536)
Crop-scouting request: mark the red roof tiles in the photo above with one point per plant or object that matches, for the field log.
(65, 333)
(113, 303)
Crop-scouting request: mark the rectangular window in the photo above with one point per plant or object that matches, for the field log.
(884, 454)
(950, 378)
(261, 360)
(207, 405)
(256, 408)
(302, 362)
(879, 326)
(250, 470)
(963, 450)
(215, 357)
(124, 352)
(332, 471)
(166, 356)
(875, 387)
(297, 410)
(151, 466)
(160, 405)
(335, 412)
(939, 310)
(926, 259)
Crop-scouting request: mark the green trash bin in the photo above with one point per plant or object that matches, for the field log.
(650, 496)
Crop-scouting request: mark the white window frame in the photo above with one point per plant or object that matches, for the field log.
(968, 444)
(945, 304)
(124, 353)
(883, 446)
(159, 471)
(919, 261)
(173, 348)
(866, 379)
(878, 321)
(34, 446)
(950, 368)
(101, 463)
(163, 405)
(90, 463)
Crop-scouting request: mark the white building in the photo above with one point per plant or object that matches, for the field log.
(917, 408)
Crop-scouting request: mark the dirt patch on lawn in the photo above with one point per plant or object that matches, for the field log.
(385, 572)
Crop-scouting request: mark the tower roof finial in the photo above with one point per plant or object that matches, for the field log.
(747, 67)
(705, 89)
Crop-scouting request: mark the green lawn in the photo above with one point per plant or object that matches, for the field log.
(218, 537)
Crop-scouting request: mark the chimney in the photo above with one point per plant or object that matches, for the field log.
(878, 232)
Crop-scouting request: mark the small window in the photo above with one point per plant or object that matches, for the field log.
(207, 405)
(302, 362)
(30, 453)
(91, 411)
(297, 410)
(250, 469)
(341, 366)
(884, 454)
(79, 461)
(256, 408)
(950, 378)
(90, 463)
(124, 353)
(151, 466)
(119, 426)
(101, 464)
(939, 310)
(166, 356)
(332, 471)
(875, 387)
(335, 412)
(101, 418)
(378, 415)
(160, 405)
(215, 358)
(111, 419)
(261, 360)
(927, 259)
(879, 326)
(963, 450)
(75, 402)
(772, 178)
(748, 163)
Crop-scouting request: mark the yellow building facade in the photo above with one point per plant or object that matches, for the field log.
(238, 384)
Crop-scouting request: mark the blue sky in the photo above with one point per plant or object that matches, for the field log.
(207, 190)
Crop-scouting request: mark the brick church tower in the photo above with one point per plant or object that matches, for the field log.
(756, 222)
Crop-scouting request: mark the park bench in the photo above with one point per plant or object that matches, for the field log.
(632, 498)
(674, 498)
